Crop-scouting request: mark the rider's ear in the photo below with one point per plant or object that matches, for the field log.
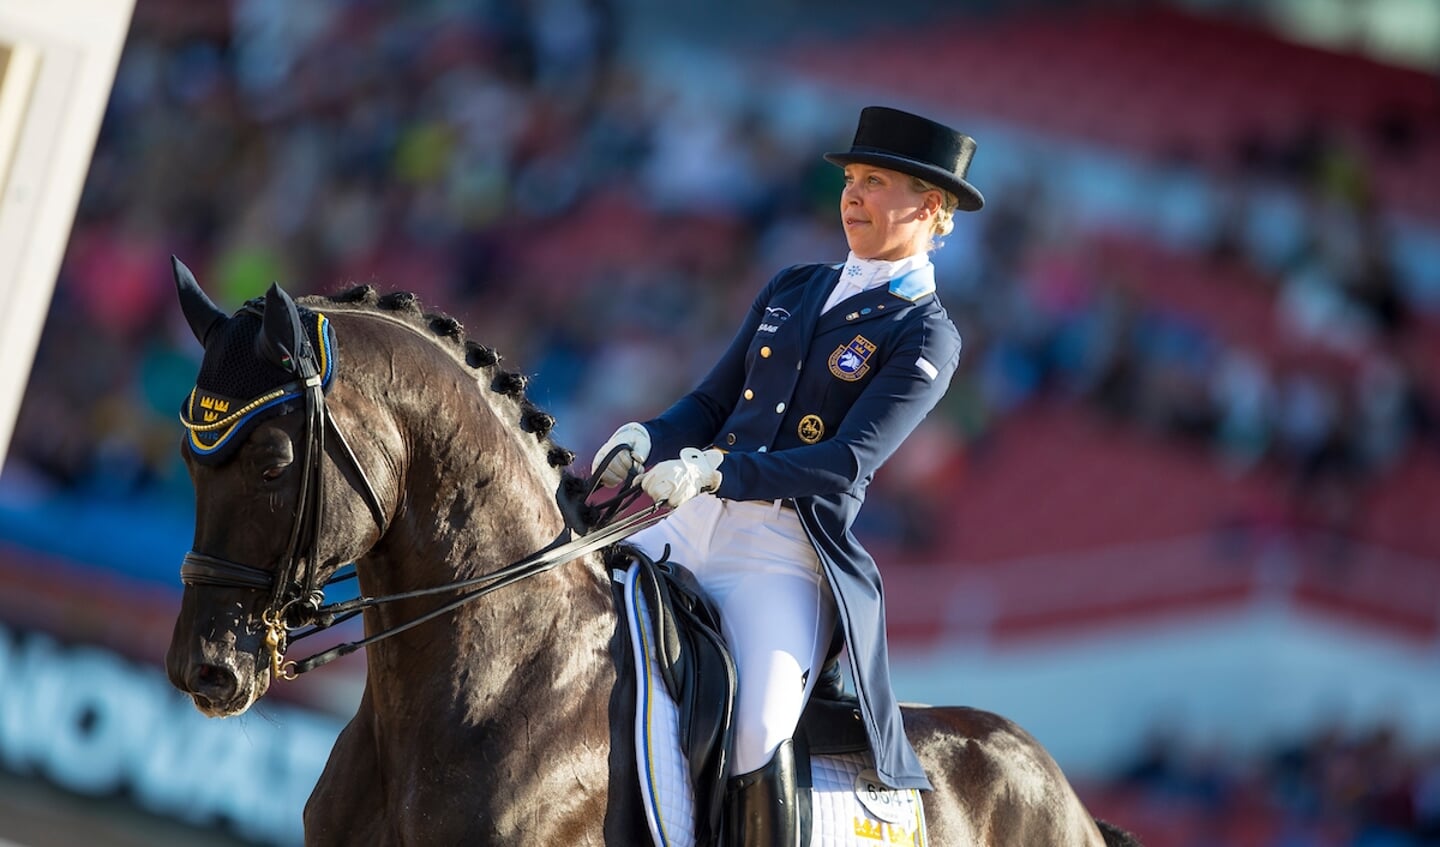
(281, 341)
(201, 313)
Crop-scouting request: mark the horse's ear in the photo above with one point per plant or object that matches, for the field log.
(200, 312)
(281, 340)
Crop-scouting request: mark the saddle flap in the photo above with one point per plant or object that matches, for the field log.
(833, 727)
(674, 661)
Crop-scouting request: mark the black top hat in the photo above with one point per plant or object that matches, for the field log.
(910, 144)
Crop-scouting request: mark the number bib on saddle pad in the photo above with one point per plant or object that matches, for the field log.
(852, 809)
(849, 807)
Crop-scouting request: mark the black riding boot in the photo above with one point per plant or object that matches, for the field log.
(760, 806)
(830, 685)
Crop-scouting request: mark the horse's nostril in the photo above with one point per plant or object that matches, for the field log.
(213, 682)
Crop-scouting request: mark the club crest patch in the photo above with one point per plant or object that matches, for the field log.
(811, 429)
(852, 361)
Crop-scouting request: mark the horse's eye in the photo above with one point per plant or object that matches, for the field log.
(274, 472)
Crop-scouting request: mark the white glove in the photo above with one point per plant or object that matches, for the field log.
(678, 480)
(632, 435)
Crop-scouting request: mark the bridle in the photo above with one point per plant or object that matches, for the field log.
(297, 598)
(295, 592)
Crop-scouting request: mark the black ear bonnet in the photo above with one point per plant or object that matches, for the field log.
(255, 367)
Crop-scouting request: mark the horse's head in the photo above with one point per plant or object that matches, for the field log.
(258, 434)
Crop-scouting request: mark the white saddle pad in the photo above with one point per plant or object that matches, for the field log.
(849, 806)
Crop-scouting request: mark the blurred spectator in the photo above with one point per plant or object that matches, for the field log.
(1330, 788)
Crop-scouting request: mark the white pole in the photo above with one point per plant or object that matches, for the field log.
(57, 65)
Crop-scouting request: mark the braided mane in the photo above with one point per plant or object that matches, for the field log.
(449, 334)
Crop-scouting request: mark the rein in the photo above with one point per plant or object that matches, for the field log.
(295, 603)
(563, 549)
(609, 530)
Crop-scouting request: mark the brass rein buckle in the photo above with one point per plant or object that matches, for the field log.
(275, 643)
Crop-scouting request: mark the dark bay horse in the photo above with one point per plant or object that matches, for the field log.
(500, 722)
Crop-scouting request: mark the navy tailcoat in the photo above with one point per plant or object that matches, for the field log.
(808, 406)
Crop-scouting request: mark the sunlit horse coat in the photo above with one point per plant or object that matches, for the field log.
(809, 406)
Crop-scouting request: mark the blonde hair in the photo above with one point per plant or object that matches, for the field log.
(944, 221)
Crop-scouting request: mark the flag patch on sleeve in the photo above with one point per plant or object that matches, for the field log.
(924, 364)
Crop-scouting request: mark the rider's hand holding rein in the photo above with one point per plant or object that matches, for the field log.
(633, 436)
(678, 480)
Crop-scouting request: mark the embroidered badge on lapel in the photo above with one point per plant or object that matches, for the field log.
(811, 429)
(851, 361)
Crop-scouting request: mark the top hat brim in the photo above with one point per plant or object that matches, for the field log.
(970, 197)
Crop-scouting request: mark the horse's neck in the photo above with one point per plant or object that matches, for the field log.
(506, 700)
(482, 676)
(485, 655)
(474, 489)
(477, 496)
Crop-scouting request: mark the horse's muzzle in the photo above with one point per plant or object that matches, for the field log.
(219, 685)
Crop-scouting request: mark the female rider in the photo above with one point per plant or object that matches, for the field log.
(832, 369)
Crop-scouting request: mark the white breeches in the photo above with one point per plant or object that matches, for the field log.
(755, 562)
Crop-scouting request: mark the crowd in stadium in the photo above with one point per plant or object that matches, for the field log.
(1333, 786)
(601, 227)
